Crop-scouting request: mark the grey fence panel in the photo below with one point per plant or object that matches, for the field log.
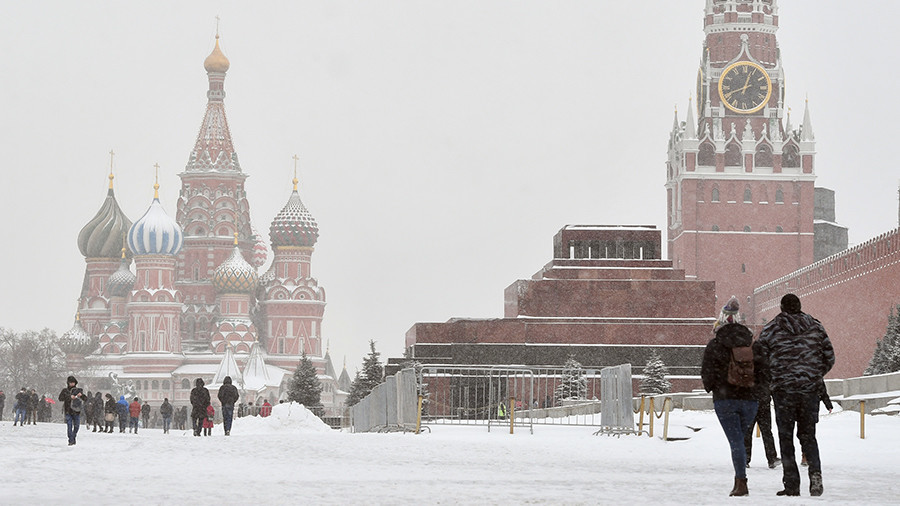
(407, 397)
(376, 406)
(390, 400)
(616, 407)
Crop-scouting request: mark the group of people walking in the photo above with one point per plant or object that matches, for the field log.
(787, 364)
(29, 408)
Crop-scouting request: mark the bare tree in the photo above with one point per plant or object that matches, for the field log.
(31, 359)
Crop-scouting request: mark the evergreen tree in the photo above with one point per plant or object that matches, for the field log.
(887, 351)
(573, 384)
(371, 376)
(305, 387)
(654, 381)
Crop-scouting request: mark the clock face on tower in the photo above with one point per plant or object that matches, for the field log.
(744, 87)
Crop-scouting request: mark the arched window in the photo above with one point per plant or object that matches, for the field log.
(715, 195)
(186, 384)
(790, 157)
(165, 385)
(779, 196)
(733, 155)
(748, 195)
(155, 385)
(707, 155)
(764, 156)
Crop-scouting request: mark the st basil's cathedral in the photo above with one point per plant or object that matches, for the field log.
(195, 304)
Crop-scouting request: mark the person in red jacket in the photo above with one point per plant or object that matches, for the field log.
(134, 412)
(266, 409)
(208, 421)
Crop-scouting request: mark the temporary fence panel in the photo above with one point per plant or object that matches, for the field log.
(407, 397)
(616, 410)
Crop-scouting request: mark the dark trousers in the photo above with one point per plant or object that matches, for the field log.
(133, 424)
(227, 416)
(167, 423)
(72, 423)
(802, 410)
(736, 417)
(123, 421)
(197, 424)
(764, 419)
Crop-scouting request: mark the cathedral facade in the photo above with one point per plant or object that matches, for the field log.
(196, 304)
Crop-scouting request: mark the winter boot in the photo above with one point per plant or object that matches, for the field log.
(740, 488)
(815, 484)
(774, 463)
(788, 492)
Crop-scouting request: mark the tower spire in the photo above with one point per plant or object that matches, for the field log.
(806, 131)
(296, 159)
(690, 129)
(111, 176)
(156, 182)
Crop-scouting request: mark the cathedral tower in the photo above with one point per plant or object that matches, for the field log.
(212, 207)
(739, 177)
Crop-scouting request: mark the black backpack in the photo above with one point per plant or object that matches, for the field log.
(740, 367)
(76, 404)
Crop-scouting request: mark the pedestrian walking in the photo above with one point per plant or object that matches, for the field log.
(21, 407)
(99, 413)
(208, 421)
(799, 354)
(33, 403)
(145, 414)
(72, 398)
(165, 411)
(730, 373)
(134, 414)
(199, 403)
(266, 409)
(109, 413)
(122, 413)
(2, 403)
(228, 395)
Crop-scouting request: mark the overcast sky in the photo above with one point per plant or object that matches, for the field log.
(442, 144)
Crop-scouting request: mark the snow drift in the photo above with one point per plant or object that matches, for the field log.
(287, 417)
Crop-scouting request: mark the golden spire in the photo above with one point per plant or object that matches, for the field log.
(111, 177)
(156, 182)
(296, 159)
(123, 253)
(216, 61)
(235, 238)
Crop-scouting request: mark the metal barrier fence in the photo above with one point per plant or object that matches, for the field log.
(391, 406)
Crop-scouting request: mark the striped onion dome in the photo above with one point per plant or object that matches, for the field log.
(155, 233)
(294, 225)
(102, 236)
(76, 341)
(235, 275)
(122, 281)
(260, 250)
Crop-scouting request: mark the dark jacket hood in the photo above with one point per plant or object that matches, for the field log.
(71, 379)
(734, 335)
(227, 380)
(199, 382)
(795, 323)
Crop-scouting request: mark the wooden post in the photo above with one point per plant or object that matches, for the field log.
(641, 422)
(667, 405)
(419, 416)
(862, 419)
(512, 414)
(652, 415)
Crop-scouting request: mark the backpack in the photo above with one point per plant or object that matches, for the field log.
(76, 404)
(740, 367)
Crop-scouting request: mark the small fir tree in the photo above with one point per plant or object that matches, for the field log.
(654, 381)
(886, 357)
(305, 387)
(573, 384)
(370, 377)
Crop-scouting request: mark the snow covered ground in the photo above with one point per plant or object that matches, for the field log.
(293, 459)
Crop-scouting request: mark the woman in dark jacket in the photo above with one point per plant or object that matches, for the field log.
(735, 405)
(109, 409)
(199, 403)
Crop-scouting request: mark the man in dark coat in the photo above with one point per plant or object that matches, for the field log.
(145, 414)
(109, 408)
(199, 403)
(228, 395)
(66, 396)
(2, 403)
(33, 404)
(165, 411)
(799, 354)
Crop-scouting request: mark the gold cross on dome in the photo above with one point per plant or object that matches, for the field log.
(111, 155)
(156, 181)
(296, 160)
(217, 26)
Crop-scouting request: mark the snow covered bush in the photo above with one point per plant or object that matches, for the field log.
(573, 384)
(654, 381)
(887, 352)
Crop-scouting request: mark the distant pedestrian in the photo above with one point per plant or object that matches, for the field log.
(165, 411)
(109, 414)
(208, 421)
(266, 409)
(2, 403)
(252, 410)
(730, 373)
(122, 413)
(228, 395)
(799, 354)
(99, 413)
(21, 407)
(72, 398)
(33, 404)
(145, 414)
(134, 414)
(199, 403)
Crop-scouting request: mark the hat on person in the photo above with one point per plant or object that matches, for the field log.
(790, 303)
(71, 379)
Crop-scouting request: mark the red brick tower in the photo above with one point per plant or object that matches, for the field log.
(739, 180)
(212, 207)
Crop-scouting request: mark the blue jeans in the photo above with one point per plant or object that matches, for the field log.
(167, 422)
(801, 409)
(72, 424)
(133, 424)
(20, 416)
(227, 416)
(736, 417)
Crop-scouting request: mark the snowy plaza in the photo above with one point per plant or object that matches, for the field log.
(291, 458)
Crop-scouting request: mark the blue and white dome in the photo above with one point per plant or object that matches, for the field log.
(155, 233)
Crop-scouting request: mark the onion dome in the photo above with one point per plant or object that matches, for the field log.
(294, 225)
(155, 233)
(122, 281)
(235, 275)
(216, 61)
(260, 250)
(102, 236)
(76, 341)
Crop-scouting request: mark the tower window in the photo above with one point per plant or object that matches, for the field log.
(764, 156)
(707, 154)
(733, 155)
(779, 229)
(743, 267)
(779, 196)
(748, 196)
(715, 228)
(715, 195)
(746, 228)
(790, 156)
